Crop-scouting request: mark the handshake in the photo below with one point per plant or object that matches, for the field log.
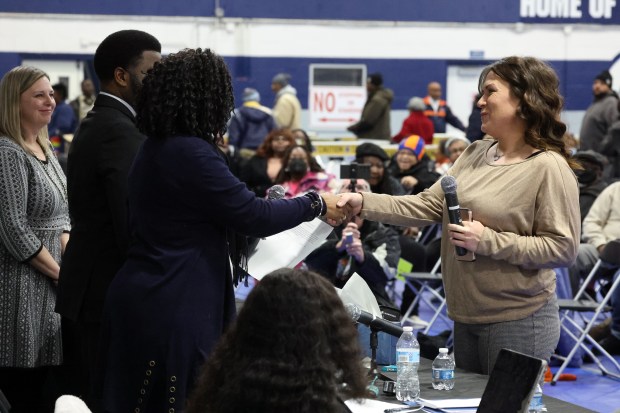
(342, 207)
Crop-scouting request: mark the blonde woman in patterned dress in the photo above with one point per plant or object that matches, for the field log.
(34, 226)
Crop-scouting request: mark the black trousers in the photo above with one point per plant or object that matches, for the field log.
(81, 359)
(30, 390)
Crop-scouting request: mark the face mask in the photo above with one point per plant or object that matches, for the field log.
(586, 177)
(297, 166)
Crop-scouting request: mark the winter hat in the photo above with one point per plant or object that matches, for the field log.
(604, 77)
(250, 94)
(281, 79)
(416, 103)
(370, 149)
(415, 144)
(375, 79)
(452, 140)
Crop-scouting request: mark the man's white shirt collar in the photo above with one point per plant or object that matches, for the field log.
(131, 109)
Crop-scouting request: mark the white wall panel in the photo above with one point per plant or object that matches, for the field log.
(264, 38)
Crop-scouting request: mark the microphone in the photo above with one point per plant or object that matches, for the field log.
(448, 184)
(360, 316)
(276, 192)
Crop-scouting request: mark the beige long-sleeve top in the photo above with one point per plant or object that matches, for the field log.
(531, 213)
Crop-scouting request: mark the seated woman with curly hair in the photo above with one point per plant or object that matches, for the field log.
(293, 348)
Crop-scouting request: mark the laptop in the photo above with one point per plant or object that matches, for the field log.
(511, 383)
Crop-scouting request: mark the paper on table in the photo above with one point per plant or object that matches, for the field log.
(370, 406)
(450, 403)
(287, 248)
(357, 291)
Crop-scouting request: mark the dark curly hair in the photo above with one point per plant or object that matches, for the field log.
(265, 150)
(188, 93)
(284, 175)
(535, 84)
(293, 348)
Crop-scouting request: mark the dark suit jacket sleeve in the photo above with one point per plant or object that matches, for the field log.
(118, 151)
(228, 201)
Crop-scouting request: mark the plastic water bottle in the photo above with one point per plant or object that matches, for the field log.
(443, 371)
(536, 404)
(407, 363)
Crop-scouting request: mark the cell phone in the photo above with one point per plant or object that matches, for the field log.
(466, 215)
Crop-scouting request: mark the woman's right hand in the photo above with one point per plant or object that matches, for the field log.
(351, 202)
(334, 215)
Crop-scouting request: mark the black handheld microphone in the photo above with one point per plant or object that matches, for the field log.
(276, 192)
(448, 184)
(360, 316)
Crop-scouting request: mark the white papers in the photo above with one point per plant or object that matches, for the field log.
(370, 406)
(356, 291)
(286, 249)
(450, 403)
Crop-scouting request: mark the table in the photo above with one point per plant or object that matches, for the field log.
(467, 385)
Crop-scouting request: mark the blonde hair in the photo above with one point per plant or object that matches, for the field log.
(12, 86)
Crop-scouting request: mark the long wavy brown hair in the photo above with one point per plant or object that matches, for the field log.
(536, 85)
(293, 348)
(188, 93)
(265, 150)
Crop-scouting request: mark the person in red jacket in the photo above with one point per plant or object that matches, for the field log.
(416, 123)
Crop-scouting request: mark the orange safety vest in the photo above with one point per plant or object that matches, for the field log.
(441, 111)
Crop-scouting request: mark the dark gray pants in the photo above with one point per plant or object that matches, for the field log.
(476, 346)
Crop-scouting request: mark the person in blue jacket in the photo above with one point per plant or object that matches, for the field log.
(250, 123)
(63, 119)
(173, 298)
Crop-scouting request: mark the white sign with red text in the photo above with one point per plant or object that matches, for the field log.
(335, 107)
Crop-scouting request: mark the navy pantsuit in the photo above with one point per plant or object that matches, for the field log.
(173, 297)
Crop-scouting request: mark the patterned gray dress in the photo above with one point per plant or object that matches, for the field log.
(33, 214)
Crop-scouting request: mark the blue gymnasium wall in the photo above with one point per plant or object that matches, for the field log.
(472, 11)
(406, 78)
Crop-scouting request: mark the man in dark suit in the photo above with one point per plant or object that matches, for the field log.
(100, 156)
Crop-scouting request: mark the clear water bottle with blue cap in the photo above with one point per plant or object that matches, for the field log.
(407, 362)
(443, 371)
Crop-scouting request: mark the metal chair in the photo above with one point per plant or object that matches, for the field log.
(582, 309)
(431, 282)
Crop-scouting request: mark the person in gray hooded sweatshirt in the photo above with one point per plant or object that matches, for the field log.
(287, 109)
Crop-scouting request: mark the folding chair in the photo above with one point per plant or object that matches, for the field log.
(589, 311)
(421, 282)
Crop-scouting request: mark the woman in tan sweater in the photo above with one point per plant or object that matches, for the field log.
(524, 198)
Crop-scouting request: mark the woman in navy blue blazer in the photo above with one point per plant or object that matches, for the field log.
(173, 298)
